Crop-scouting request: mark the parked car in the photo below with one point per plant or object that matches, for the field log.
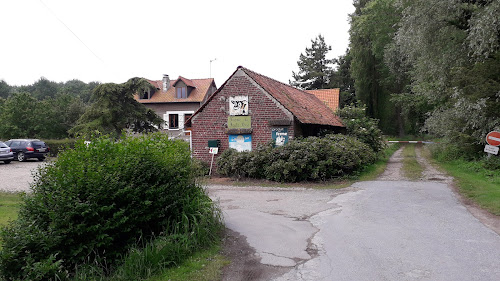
(6, 154)
(25, 149)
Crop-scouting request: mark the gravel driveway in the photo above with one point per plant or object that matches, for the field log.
(17, 176)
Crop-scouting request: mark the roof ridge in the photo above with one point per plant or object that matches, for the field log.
(267, 77)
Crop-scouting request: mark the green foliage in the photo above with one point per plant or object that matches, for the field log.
(312, 158)
(314, 67)
(20, 115)
(360, 126)
(372, 29)
(341, 78)
(59, 145)
(97, 200)
(114, 109)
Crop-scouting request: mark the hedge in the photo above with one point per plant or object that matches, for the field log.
(309, 159)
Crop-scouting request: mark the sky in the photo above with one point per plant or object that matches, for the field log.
(112, 41)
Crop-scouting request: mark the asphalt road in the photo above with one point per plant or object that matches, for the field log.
(389, 229)
(379, 230)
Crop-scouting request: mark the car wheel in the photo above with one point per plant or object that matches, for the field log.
(7, 161)
(41, 158)
(21, 157)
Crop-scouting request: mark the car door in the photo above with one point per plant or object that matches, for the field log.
(16, 146)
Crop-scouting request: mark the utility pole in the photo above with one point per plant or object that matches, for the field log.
(211, 67)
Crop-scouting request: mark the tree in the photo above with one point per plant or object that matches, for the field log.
(114, 109)
(5, 89)
(373, 25)
(314, 67)
(20, 117)
(341, 78)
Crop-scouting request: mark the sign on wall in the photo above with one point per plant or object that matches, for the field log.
(240, 142)
(280, 136)
(238, 105)
(239, 122)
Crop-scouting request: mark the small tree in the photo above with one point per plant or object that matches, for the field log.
(314, 67)
(114, 108)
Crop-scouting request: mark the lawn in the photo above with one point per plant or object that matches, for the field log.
(9, 206)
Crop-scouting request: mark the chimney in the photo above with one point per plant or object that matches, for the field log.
(166, 82)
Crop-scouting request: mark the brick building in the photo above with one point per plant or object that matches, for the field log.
(177, 100)
(251, 109)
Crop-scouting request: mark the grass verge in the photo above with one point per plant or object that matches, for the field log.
(411, 168)
(9, 206)
(475, 182)
(203, 266)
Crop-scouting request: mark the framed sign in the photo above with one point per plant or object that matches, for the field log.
(238, 105)
(280, 136)
(240, 142)
(239, 122)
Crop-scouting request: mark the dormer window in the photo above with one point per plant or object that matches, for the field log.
(146, 95)
(181, 92)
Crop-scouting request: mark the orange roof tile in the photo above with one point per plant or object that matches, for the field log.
(198, 93)
(329, 96)
(306, 107)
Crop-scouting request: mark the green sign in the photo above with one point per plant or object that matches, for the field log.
(239, 122)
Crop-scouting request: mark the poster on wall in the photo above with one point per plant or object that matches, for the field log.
(280, 136)
(240, 142)
(238, 105)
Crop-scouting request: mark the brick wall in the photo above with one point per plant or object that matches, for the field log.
(211, 122)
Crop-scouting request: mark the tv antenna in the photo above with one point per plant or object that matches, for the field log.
(211, 67)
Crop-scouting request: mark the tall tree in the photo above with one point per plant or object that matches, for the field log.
(341, 78)
(20, 117)
(114, 109)
(372, 27)
(5, 89)
(314, 68)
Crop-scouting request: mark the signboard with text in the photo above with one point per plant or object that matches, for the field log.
(240, 142)
(239, 122)
(280, 136)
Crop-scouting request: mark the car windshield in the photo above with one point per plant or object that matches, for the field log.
(3, 145)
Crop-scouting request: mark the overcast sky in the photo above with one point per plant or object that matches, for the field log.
(112, 41)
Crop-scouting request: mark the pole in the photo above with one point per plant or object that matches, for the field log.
(211, 67)
(211, 163)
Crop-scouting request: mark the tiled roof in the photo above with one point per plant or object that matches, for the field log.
(306, 107)
(329, 96)
(198, 93)
(186, 81)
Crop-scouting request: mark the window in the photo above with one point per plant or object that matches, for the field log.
(145, 95)
(186, 117)
(173, 121)
(181, 92)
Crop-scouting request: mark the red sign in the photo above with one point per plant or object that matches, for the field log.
(493, 138)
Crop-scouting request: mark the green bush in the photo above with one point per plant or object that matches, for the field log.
(57, 146)
(362, 127)
(312, 158)
(97, 200)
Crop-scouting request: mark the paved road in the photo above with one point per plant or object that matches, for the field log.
(377, 230)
